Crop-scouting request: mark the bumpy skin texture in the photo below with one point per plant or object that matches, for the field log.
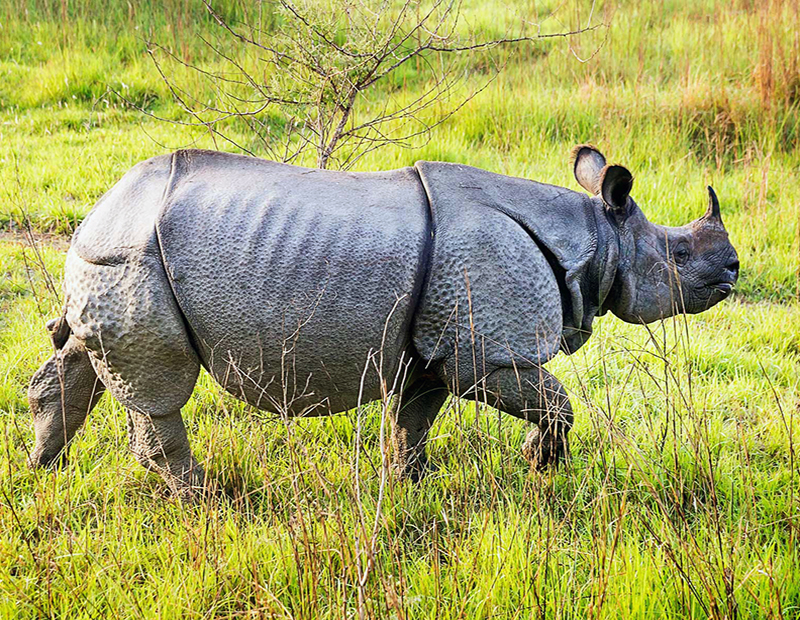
(291, 279)
(516, 269)
(305, 292)
(120, 306)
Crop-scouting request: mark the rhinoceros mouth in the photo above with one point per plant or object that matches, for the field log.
(723, 287)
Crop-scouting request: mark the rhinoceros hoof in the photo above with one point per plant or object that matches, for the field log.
(414, 471)
(542, 450)
(40, 459)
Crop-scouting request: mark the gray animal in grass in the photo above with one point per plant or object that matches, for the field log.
(305, 292)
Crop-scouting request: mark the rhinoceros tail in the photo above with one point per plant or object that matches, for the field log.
(59, 331)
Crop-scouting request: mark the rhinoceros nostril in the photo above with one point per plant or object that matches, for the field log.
(733, 266)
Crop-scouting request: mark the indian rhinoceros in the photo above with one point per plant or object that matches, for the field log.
(307, 292)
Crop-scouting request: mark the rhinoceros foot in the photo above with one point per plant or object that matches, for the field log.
(414, 471)
(544, 449)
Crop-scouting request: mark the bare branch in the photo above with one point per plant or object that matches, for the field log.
(317, 68)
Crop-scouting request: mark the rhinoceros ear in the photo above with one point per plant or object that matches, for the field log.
(615, 186)
(588, 163)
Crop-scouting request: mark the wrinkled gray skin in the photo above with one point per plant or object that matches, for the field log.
(305, 292)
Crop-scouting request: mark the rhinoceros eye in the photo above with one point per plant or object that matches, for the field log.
(680, 255)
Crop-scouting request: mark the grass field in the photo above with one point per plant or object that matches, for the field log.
(682, 496)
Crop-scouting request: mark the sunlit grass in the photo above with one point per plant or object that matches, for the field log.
(682, 476)
(681, 498)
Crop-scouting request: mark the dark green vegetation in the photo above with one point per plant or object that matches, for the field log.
(682, 497)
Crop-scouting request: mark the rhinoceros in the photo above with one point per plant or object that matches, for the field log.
(307, 292)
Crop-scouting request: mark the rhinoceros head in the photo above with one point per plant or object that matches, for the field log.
(662, 271)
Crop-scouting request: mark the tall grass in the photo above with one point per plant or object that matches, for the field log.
(681, 498)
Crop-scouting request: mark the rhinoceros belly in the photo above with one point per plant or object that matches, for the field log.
(298, 285)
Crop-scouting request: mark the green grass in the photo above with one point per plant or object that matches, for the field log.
(682, 496)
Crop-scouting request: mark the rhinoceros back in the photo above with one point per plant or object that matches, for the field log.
(293, 281)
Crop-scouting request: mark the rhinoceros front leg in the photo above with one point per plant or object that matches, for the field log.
(414, 416)
(533, 395)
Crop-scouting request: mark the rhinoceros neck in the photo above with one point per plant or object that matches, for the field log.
(606, 261)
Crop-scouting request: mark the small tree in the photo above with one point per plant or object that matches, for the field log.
(303, 75)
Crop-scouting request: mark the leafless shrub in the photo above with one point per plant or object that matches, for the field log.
(301, 76)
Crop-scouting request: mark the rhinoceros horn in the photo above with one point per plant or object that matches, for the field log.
(713, 217)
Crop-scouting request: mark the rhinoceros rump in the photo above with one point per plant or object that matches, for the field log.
(305, 292)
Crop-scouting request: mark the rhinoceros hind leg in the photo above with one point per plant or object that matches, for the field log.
(61, 394)
(153, 383)
(160, 444)
(125, 313)
(415, 414)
